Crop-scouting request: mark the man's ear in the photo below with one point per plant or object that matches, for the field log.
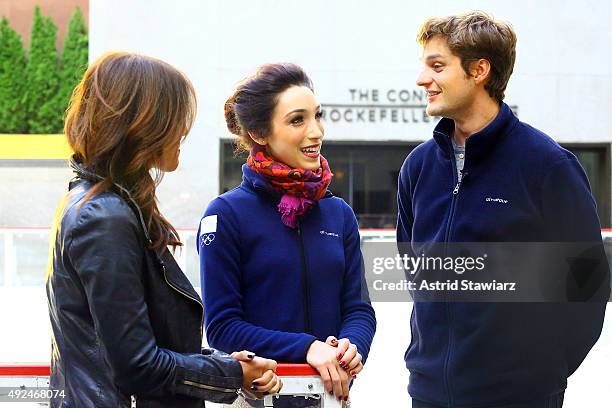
(258, 139)
(480, 70)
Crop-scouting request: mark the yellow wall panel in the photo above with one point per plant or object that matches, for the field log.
(35, 147)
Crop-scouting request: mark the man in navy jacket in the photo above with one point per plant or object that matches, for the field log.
(487, 177)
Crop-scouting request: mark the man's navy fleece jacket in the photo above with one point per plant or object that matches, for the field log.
(492, 354)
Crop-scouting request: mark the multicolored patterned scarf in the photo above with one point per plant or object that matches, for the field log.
(299, 188)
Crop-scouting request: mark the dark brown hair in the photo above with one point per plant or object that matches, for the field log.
(122, 115)
(473, 36)
(251, 106)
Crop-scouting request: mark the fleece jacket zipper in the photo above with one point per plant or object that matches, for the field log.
(305, 282)
(457, 181)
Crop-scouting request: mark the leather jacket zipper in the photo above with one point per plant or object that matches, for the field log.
(209, 387)
(190, 297)
(305, 282)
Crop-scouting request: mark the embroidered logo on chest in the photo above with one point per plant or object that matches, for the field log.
(496, 200)
(329, 234)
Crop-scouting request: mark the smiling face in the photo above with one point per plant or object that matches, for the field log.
(450, 91)
(297, 131)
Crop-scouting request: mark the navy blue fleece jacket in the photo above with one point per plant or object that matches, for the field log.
(273, 290)
(518, 185)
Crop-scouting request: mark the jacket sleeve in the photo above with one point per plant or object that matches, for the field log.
(106, 250)
(405, 216)
(358, 318)
(404, 207)
(220, 273)
(571, 217)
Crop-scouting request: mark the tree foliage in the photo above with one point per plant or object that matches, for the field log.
(74, 59)
(42, 77)
(35, 87)
(12, 80)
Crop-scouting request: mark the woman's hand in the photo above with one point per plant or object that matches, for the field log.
(347, 355)
(258, 375)
(322, 357)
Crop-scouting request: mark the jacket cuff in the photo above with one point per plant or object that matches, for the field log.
(216, 377)
(308, 344)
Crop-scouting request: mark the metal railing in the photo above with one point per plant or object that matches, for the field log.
(24, 256)
(24, 253)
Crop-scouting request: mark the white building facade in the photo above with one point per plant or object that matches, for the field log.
(363, 59)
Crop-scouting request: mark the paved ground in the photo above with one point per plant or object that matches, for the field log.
(25, 338)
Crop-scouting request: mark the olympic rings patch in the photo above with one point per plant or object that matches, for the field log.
(207, 239)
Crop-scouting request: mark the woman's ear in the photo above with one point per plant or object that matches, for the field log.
(257, 139)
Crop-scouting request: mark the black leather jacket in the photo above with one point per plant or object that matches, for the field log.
(127, 324)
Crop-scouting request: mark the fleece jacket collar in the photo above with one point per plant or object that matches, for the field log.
(482, 142)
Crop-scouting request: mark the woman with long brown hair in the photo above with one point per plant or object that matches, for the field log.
(127, 324)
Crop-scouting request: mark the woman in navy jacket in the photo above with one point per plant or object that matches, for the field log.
(280, 259)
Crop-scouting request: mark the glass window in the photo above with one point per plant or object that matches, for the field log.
(192, 258)
(32, 252)
(595, 159)
(2, 258)
(365, 176)
(231, 166)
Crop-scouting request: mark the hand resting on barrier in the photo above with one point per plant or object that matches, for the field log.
(258, 373)
(347, 355)
(322, 357)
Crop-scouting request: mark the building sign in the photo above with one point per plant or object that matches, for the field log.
(380, 106)
(387, 106)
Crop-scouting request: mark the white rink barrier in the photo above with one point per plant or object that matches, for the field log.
(30, 382)
(301, 380)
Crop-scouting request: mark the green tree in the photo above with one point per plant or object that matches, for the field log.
(74, 59)
(42, 78)
(12, 80)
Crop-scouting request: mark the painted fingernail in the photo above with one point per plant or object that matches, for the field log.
(250, 356)
(265, 393)
(253, 388)
(255, 384)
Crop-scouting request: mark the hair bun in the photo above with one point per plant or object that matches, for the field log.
(230, 116)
